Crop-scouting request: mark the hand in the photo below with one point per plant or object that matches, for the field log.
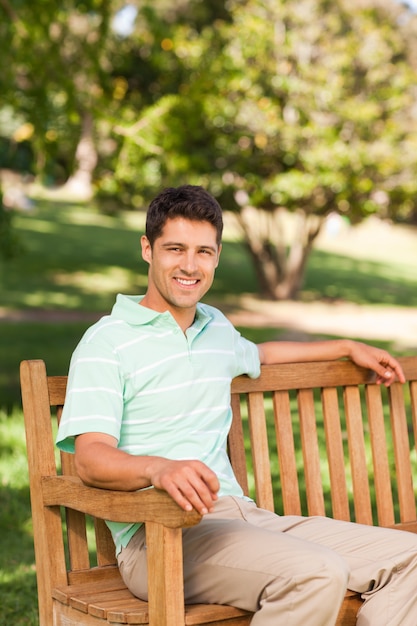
(190, 483)
(378, 360)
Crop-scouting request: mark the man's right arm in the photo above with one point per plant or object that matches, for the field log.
(100, 463)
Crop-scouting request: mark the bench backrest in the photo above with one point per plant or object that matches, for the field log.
(322, 438)
(326, 440)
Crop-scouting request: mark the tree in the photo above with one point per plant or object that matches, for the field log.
(60, 81)
(326, 110)
(303, 106)
(75, 76)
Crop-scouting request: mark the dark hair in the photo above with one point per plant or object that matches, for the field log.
(189, 201)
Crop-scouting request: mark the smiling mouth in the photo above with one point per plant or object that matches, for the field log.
(187, 282)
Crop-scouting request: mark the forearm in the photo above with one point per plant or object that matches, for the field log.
(297, 352)
(386, 367)
(109, 468)
(100, 463)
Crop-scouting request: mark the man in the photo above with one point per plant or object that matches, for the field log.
(148, 404)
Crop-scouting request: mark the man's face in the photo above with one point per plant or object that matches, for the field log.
(182, 264)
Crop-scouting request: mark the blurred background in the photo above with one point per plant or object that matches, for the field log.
(299, 116)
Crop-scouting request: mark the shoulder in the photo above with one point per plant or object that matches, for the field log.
(115, 326)
(101, 330)
(213, 315)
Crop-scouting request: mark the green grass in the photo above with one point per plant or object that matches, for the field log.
(29, 340)
(75, 259)
(18, 598)
(362, 281)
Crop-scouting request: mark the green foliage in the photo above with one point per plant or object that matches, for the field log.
(301, 104)
(56, 52)
(304, 105)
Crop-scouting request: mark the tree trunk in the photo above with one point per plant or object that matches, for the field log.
(80, 183)
(255, 225)
(309, 227)
(265, 269)
(280, 272)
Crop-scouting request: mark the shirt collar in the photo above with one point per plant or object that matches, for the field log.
(126, 308)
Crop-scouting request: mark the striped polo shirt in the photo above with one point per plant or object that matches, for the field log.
(136, 376)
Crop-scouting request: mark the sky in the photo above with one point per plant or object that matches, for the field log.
(123, 22)
(412, 4)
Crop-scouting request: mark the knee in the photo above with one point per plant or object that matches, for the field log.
(317, 590)
(335, 571)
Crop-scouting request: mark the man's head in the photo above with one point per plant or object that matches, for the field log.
(182, 247)
(190, 202)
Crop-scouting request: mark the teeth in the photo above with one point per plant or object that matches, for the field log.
(182, 281)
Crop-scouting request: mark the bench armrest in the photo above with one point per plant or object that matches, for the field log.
(146, 505)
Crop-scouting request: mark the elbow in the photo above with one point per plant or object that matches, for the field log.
(92, 459)
(268, 353)
(261, 353)
(84, 473)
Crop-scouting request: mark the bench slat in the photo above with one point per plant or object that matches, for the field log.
(357, 454)
(260, 451)
(309, 444)
(401, 442)
(335, 453)
(382, 480)
(286, 453)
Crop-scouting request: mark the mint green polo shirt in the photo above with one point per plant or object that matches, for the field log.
(137, 377)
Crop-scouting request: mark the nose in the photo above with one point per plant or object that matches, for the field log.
(189, 263)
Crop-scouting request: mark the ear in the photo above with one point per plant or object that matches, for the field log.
(218, 255)
(146, 249)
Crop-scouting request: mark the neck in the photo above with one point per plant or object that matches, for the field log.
(183, 316)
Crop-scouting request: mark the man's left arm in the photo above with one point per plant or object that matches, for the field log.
(380, 361)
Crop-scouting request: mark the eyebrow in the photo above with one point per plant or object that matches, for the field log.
(178, 244)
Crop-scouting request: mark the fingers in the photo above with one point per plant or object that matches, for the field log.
(188, 497)
(386, 377)
(386, 367)
(190, 483)
(388, 373)
(397, 369)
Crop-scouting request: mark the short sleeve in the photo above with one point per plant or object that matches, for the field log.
(94, 399)
(247, 357)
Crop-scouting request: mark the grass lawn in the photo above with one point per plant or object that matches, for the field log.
(18, 599)
(75, 259)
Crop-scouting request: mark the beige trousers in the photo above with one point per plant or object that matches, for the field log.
(291, 571)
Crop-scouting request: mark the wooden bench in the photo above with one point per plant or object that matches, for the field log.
(322, 439)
